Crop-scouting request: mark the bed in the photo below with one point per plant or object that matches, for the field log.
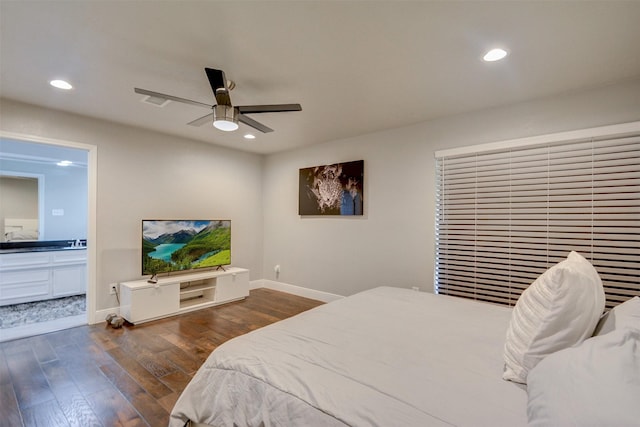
(396, 357)
(386, 356)
(18, 229)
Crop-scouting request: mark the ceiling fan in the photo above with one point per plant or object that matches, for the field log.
(225, 116)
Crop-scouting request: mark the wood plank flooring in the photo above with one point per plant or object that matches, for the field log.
(99, 376)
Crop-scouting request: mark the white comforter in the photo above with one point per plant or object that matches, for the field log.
(383, 357)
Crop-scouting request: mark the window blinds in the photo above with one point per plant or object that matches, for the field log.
(503, 217)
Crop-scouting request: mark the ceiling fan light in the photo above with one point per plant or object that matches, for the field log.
(225, 125)
(225, 118)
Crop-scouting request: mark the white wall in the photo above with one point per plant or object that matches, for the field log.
(18, 197)
(393, 244)
(142, 174)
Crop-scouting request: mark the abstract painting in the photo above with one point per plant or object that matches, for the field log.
(332, 189)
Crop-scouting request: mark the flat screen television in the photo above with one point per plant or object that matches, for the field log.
(181, 245)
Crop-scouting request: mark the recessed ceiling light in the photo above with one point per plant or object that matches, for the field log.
(249, 136)
(494, 55)
(60, 84)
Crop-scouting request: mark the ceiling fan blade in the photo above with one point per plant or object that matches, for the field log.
(170, 97)
(202, 120)
(254, 124)
(218, 83)
(276, 108)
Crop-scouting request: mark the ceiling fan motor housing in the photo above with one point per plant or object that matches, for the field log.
(225, 117)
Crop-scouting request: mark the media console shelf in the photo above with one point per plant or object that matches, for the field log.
(141, 301)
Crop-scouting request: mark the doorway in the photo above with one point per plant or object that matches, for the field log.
(67, 216)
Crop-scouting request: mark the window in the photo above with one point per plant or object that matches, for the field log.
(506, 212)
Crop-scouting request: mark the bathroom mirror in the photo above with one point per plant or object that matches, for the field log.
(43, 192)
(20, 202)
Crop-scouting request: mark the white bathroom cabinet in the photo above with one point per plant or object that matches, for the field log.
(41, 275)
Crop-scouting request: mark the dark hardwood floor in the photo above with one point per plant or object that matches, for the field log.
(99, 376)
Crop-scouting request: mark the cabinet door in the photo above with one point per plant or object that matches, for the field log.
(153, 302)
(69, 280)
(232, 286)
(24, 285)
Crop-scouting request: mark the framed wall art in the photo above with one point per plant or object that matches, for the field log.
(335, 189)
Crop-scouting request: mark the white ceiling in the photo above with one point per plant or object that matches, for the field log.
(355, 66)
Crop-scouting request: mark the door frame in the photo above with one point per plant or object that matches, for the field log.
(92, 193)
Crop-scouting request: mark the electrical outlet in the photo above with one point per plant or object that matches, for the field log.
(113, 288)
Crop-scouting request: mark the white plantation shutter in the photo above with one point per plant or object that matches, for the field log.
(504, 216)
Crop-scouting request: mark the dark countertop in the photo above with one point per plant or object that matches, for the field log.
(41, 246)
(40, 249)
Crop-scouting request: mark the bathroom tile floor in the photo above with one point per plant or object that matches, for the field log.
(34, 318)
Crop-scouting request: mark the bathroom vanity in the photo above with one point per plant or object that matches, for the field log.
(35, 273)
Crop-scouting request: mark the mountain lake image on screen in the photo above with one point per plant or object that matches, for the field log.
(181, 245)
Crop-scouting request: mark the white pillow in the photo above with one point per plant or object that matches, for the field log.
(623, 315)
(620, 316)
(21, 235)
(595, 384)
(558, 310)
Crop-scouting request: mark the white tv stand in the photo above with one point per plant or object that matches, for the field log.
(141, 301)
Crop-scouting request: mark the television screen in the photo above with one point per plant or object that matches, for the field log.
(179, 245)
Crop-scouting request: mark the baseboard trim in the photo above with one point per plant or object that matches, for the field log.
(295, 290)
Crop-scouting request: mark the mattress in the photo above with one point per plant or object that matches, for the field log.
(383, 357)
